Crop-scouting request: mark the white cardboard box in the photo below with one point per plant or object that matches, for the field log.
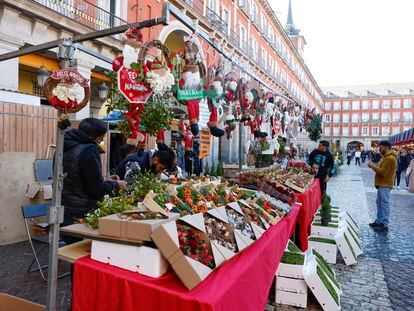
(346, 249)
(291, 285)
(318, 288)
(290, 271)
(324, 231)
(142, 259)
(328, 251)
(291, 299)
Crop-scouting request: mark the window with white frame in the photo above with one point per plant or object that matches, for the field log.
(336, 118)
(345, 131)
(365, 131)
(327, 118)
(365, 117)
(336, 131)
(375, 104)
(345, 117)
(225, 16)
(407, 103)
(395, 116)
(255, 48)
(243, 36)
(355, 105)
(213, 5)
(365, 104)
(328, 105)
(345, 105)
(385, 117)
(375, 131)
(327, 131)
(337, 105)
(264, 57)
(355, 131)
(396, 130)
(375, 116)
(408, 116)
(386, 104)
(396, 103)
(355, 117)
(385, 131)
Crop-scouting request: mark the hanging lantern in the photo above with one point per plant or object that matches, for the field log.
(103, 91)
(42, 76)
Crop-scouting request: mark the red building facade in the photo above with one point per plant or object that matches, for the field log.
(368, 117)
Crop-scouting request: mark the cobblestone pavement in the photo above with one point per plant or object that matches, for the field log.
(383, 279)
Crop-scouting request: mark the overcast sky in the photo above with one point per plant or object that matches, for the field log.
(353, 42)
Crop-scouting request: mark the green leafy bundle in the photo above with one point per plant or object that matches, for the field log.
(314, 128)
(143, 183)
(156, 114)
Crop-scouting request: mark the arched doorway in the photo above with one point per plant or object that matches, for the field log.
(355, 145)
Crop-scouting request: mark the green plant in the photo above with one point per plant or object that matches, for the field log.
(264, 145)
(293, 248)
(206, 169)
(156, 114)
(219, 169)
(109, 206)
(314, 128)
(327, 284)
(293, 258)
(282, 146)
(144, 182)
(213, 170)
(326, 210)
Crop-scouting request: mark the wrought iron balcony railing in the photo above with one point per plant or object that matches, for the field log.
(84, 12)
(216, 21)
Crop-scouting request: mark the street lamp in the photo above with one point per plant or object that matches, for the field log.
(42, 76)
(103, 91)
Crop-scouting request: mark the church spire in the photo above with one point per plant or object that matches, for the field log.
(290, 27)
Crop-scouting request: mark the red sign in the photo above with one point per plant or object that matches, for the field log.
(133, 90)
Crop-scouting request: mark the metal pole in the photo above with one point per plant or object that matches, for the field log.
(55, 218)
(240, 146)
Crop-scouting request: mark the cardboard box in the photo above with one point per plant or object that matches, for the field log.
(298, 286)
(327, 250)
(39, 192)
(291, 298)
(248, 234)
(290, 271)
(142, 259)
(318, 283)
(258, 229)
(190, 271)
(12, 303)
(140, 230)
(328, 232)
(343, 240)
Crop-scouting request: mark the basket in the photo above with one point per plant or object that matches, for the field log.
(69, 76)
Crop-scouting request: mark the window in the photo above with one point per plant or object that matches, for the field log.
(345, 105)
(355, 117)
(365, 104)
(396, 103)
(255, 47)
(375, 104)
(375, 117)
(364, 131)
(407, 103)
(355, 131)
(385, 130)
(213, 5)
(328, 105)
(365, 117)
(386, 104)
(225, 15)
(337, 105)
(345, 118)
(345, 131)
(375, 131)
(384, 117)
(408, 116)
(242, 37)
(396, 130)
(336, 131)
(328, 118)
(395, 116)
(406, 128)
(327, 130)
(336, 118)
(355, 105)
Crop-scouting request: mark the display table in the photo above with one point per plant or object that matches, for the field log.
(311, 201)
(243, 283)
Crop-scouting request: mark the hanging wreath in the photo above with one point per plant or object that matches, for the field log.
(60, 90)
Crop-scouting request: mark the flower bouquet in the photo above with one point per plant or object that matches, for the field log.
(240, 193)
(211, 196)
(193, 198)
(225, 194)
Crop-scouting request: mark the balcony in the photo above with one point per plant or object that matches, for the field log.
(244, 6)
(84, 12)
(256, 22)
(216, 21)
(197, 6)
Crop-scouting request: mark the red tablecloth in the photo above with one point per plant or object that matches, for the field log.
(311, 200)
(243, 283)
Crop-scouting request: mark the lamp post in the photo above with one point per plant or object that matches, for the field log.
(103, 91)
(42, 76)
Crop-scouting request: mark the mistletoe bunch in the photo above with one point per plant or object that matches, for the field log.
(314, 128)
(157, 114)
(142, 183)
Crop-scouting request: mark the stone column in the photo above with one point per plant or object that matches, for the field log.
(9, 42)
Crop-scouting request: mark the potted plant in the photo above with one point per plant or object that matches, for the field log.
(326, 210)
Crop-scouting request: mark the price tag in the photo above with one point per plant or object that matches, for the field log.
(208, 205)
(169, 206)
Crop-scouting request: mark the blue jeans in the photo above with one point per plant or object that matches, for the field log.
(383, 205)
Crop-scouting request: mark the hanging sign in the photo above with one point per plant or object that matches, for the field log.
(205, 141)
(134, 91)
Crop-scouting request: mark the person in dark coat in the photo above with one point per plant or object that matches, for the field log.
(403, 162)
(154, 161)
(84, 185)
(322, 161)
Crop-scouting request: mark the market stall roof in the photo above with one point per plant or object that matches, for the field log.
(406, 137)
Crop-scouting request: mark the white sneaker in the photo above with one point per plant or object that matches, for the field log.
(398, 187)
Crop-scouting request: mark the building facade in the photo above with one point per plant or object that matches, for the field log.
(365, 115)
